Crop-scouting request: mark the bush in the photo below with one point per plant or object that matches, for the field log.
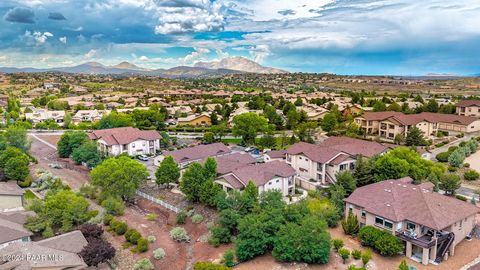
(471, 175)
(91, 230)
(452, 169)
(356, 254)
(151, 217)
(151, 238)
(337, 244)
(353, 267)
(142, 245)
(197, 218)
(443, 156)
(26, 182)
(179, 234)
(466, 165)
(344, 254)
(114, 206)
(144, 264)
(181, 217)
(350, 225)
(121, 228)
(368, 235)
(461, 198)
(388, 244)
(107, 218)
(132, 236)
(366, 257)
(209, 266)
(159, 253)
(220, 235)
(228, 258)
(191, 212)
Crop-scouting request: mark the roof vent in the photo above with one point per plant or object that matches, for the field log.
(388, 204)
(414, 188)
(404, 186)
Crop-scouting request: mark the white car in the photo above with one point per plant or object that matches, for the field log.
(142, 157)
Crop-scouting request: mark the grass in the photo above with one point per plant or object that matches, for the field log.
(232, 140)
(29, 195)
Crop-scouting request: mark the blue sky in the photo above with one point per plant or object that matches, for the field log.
(404, 37)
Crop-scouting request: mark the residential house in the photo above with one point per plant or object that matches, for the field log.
(11, 196)
(129, 140)
(195, 120)
(275, 155)
(12, 230)
(430, 224)
(387, 125)
(41, 115)
(230, 162)
(59, 252)
(317, 164)
(468, 108)
(88, 116)
(185, 156)
(275, 175)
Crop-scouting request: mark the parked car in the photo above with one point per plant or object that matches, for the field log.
(142, 157)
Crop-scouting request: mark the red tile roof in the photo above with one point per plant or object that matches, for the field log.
(276, 154)
(413, 119)
(468, 103)
(229, 163)
(399, 200)
(198, 152)
(261, 173)
(123, 135)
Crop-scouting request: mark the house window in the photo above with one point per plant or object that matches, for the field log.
(289, 158)
(278, 180)
(352, 166)
(364, 214)
(306, 159)
(343, 167)
(411, 226)
(391, 126)
(319, 167)
(133, 145)
(379, 221)
(388, 224)
(350, 208)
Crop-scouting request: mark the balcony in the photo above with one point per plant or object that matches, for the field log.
(424, 241)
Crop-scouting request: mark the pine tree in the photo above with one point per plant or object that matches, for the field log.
(350, 225)
(414, 137)
(363, 173)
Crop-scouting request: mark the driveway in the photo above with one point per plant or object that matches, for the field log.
(454, 143)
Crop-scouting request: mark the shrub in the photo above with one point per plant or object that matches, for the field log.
(461, 198)
(220, 235)
(197, 218)
(353, 267)
(151, 217)
(91, 230)
(132, 236)
(356, 254)
(144, 264)
(366, 257)
(443, 156)
(466, 165)
(114, 206)
(350, 225)
(159, 253)
(228, 258)
(368, 235)
(142, 245)
(452, 169)
(191, 212)
(337, 244)
(344, 254)
(403, 265)
(26, 182)
(209, 266)
(179, 234)
(151, 238)
(107, 218)
(471, 175)
(388, 245)
(97, 251)
(181, 217)
(121, 228)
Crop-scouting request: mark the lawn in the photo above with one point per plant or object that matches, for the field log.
(29, 195)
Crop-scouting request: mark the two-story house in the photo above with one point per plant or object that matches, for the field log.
(468, 108)
(387, 125)
(430, 224)
(185, 156)
(129, 140)
(275, 175)
(317, 164)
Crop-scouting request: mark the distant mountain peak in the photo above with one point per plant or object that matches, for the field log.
(93, 64)
(240, 64)
(127, 65)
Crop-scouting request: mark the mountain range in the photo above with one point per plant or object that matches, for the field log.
(229, 65)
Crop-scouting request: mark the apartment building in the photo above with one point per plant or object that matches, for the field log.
(317, 164)
(129, 140)
(387, 125)
(468, 108)
(431, 225)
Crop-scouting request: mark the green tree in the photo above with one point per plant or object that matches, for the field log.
(346, 180)
(210, 168)
(88, 153)
(120, 176)
(114, 120)
(350, 225)
(414, 137)
(268, 141)
(306, 131)
(307, 242)
(168, 171)
(208, 137)
(147, 119)
(456, 158)
(344, 254)
(69, 141)
(363, 173)
(431, 106)
(192, 181)
(337, 194)
(247, 125)
(16, 168)
(403, 265)
(379, 106)
(17, 137)
(449, 183)
(394, 107)
(329, 122)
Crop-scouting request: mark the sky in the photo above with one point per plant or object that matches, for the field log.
(389, 37)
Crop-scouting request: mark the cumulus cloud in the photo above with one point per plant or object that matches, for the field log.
(63, 40)
(91, 54)
(36, 38)
(143, 58)
(20, 15)
(260, 52)
(56, 16)
(200, 54)
(184, 16)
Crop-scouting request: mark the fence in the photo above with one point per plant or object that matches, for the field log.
(160, 202)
